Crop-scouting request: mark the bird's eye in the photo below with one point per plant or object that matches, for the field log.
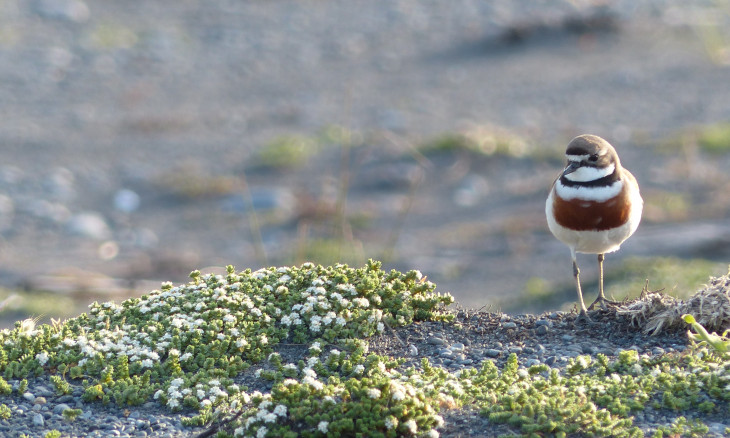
(593, 158)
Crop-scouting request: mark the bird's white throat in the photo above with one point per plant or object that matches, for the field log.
(586, 174)
(595, 194)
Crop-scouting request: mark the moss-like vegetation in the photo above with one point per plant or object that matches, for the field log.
(185, 346)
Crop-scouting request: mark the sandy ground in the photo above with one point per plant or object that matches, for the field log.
(173, 101)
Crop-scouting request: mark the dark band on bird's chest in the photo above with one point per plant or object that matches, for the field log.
(601, 182)
(582, 215)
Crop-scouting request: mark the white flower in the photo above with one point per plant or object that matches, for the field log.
(147, 363)
(314, 383)
(374, 393)
(381, 327)
(322, 426)
(241, 342)
(176, 382)
(411, 426)
(264, 340)
(391, 422)
(359, 369)
(432, 434)
(315, 326)
(261, 433)
(290, 367)
(158, 394)
(398, 392)
(173, 403)
(42, 357)
(280, 410)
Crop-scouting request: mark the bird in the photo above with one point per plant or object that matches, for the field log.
(594, 206)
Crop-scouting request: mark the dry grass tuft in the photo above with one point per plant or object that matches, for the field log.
(710, 306)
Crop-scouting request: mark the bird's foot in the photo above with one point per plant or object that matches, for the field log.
(604, 302)
(583, 317)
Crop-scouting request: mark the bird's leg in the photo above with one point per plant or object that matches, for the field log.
(576, 275)
(601, 297)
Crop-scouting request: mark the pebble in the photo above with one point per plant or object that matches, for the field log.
(43, 391)
(457, 347)
(59, 408)
(493, 352)
(29, 396)
(40, 400)
(542, 330)
(126, 201)
(91, 225)
(434, 340)
(412, 350)
(532, 362)
(75, 11)
(38, 419)
(509, 325)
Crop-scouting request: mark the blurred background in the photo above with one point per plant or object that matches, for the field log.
(141, 140)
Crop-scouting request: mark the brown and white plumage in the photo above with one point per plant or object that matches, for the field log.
(594, 205)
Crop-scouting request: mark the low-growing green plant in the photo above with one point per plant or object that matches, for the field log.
(5, 412)
(715, 138)
(183, 345)
(71, 414)
(682, 428)
(61, 385)
(288, 151)
(721, 344)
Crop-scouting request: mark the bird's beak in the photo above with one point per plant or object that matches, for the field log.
(571, 167)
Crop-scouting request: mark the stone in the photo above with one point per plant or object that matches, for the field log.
(126, 201)
(435, 340)
(38, 420)
(59, 408)
(493, 352)
(89, 224)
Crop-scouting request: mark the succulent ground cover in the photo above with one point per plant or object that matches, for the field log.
(217, 351)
